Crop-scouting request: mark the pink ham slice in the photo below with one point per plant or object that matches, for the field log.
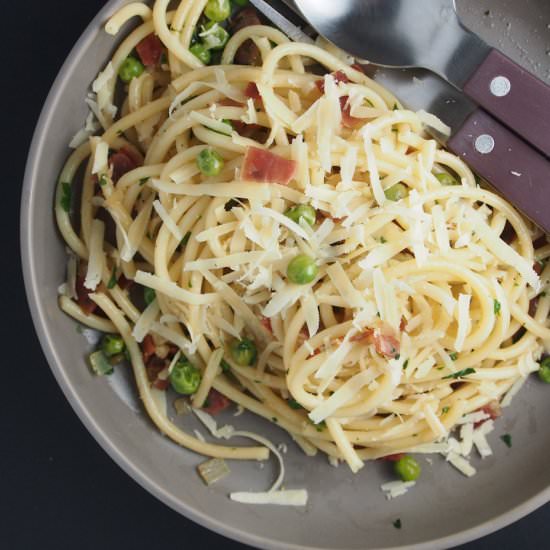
(264, 167)
(150, 50)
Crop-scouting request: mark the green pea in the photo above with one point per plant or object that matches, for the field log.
(210, 162)
(149, 295)
(407, 468)
(446, 179)
(112, 344)
(201, 52)
(217, 10)
(302, 211)
(544, 370)
(302, 269)
(244, 352)
(130, 68)
(214, 36)
(185, 378)
(396, 192)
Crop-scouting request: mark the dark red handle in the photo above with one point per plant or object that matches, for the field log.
(513, 96)
(517, 171)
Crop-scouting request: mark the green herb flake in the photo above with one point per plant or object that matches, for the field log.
(274, 419)
(405, 364)
(453, 356)
(439, 368)
(293, 404)
(445, 410)
(383, 240)
(507, 439)
(143, 181)
(460, 373)
(397, 523)
(66, 196)
(543, 294)
(225, 366)
(496, 307)
(103, 180)
(113, 280)
(395, 107)
(369, 102)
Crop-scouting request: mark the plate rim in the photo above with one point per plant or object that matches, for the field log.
(86, 415)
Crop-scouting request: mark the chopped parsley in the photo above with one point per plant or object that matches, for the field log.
(66, 196)
(395, 107)
(507, 439)
(383, 240)
(274, 419)
(102, 180)
(460, 373)
(371, 104)
(113, 280)
(397, 523)
(405, 364)
(225, 366)
(143, 181)
(453, 356)
(445, 410)
(319, 427)
(293, 404)
(496, 307)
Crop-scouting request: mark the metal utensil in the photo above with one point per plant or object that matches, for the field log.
(509, 164)
(428, 34)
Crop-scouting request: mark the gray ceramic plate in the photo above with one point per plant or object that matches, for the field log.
(444, 509)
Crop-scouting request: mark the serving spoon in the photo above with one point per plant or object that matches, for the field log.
(428, 34)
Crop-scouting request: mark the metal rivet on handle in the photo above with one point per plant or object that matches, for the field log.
(500, 86)
(484, 144)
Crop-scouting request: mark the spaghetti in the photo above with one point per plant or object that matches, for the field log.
(384, 312)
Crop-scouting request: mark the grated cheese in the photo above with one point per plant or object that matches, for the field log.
(461, 464)
(297, 497)
(394, 489)
(168, 221)
(145, 322)
(464, 320)
(96, 261)
(101, 156)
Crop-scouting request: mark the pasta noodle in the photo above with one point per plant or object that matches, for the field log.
(411, 317)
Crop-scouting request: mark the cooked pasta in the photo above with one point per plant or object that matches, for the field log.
(314, 254)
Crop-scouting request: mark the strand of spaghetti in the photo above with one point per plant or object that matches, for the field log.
(124, 14)
(161, 421)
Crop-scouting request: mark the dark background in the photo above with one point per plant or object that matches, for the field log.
(59, 489)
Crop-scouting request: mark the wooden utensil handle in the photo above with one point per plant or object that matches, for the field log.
(514, 96)
(517, 171)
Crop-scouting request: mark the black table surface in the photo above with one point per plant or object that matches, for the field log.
(58, 487)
